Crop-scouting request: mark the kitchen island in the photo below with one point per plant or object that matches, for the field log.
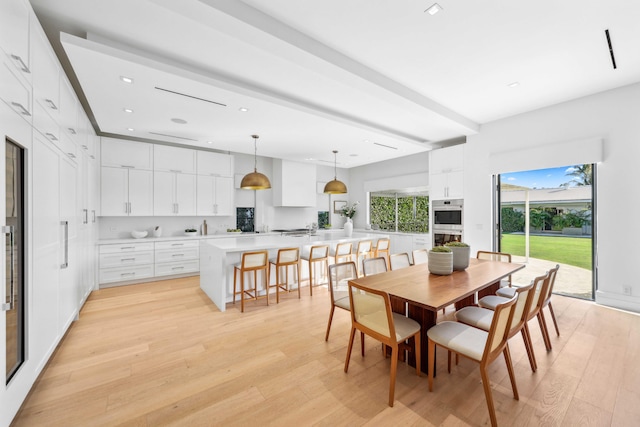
(218, 257)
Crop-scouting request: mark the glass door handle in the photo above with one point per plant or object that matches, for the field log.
(8, 305)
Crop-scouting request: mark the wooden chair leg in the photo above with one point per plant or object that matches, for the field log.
(310, 278)
(545, 332)
(392, 375)
(416, 350)
(512, 377)
(487, 394)
(431, 355)
(449, 361)
(553, 317)
(351, 337)
(326, 337)
(298, 278)
(241, 291)
(527, 344)
(362, 343)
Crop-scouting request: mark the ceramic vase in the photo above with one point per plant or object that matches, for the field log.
(441, 263)
(348, 227)
(460, 257)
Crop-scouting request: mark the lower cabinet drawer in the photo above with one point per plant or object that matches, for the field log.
(108, 260)
(177, 255)
(181, 267)
(108, 275)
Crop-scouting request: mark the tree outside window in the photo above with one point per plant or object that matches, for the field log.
(392, 211)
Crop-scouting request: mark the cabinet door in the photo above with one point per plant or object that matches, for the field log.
(69, 106)
(447, 159)
(185, 194)
(455, 185)
(174, 159)
(140, 192)
(14, 33)
(437, 186)
(215, 164)
(128, 154)
(205, 195)
(46, 74)
(224, 196)
(164, 200)
(68, 288)
(114, 192)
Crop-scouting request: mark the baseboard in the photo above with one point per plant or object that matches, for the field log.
(623, 302)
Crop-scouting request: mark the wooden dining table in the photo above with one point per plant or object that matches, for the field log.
(421, 295)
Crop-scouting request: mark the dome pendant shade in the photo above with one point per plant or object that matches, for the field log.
(335, 186)
(255, 180)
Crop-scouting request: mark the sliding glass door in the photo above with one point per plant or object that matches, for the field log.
(546, 217)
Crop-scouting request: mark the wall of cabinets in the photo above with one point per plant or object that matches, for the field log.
(140, 179)
(446, 173)
(40, 112)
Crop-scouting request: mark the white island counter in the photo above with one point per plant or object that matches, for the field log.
(218, 256)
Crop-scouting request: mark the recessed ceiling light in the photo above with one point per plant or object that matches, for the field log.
(126, 79)
(209, 142)
(514, 84)
(128, 110)
(243, 109)
(433, 9)
(179, 121)
(366, 140)
(353, 155)
(309, 159)
(130, 129)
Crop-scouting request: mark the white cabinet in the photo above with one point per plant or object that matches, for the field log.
(14, 34)
(69, 106)
(421, 241)
(177, 257)
(128, 261)
(215, 196)
(126, 192)
(46, 73)
(294, 184)
(174, 194)
(174, 159)
(215, 164)
(399, 243)
(446, 173)
(126, 154)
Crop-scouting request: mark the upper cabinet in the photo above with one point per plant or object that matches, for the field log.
(293, 184)
(446, 173)
(14, 34)
(46, 74)
(174, 159)
(214, 164)
(126, 154)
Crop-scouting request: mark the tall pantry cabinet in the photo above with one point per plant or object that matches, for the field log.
(40, 113)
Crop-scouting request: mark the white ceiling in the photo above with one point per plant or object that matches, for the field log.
(334, 74)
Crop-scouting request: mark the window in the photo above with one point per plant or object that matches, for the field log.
(397, 211)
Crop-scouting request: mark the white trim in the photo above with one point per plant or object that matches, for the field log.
(623, 302)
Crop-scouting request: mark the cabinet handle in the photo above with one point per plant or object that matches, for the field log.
(175, 170)
(24, 111)
(177, 268)
(127, 274)
(129, 204)
(73, 156)
(72, 131)
(52, 104)
(177, 244)
(93, 216)
(127, 259)
(65, 224)
(51, 136)
(215, 209)
(127, 247)
(126, 207)
(86, 216)
(127, 166)
(177, 255)
(177, 208)
(84, 147)
(8, 305)
(22, 64)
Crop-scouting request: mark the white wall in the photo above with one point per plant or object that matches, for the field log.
(266, 213)
(613, 116)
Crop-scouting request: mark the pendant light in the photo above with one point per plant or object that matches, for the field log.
(335, 186)
(255, 180)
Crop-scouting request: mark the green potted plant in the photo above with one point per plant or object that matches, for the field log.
(461, 254)
(441, 260)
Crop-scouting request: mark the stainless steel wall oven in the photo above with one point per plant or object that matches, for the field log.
(447, 219)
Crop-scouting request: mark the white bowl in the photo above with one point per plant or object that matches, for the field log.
(139, 234)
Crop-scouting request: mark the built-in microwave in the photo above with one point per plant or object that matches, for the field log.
(447, 214)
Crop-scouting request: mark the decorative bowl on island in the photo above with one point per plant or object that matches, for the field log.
(190, 232)
(136, 234)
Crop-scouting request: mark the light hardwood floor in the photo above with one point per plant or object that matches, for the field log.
(162, 354)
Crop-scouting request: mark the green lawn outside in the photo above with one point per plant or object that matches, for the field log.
(565, 250)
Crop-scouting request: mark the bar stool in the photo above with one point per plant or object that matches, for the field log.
(363, 251)
(287, 257)
(319, 253)
(382, 249)
(342, 252)
(251, 262)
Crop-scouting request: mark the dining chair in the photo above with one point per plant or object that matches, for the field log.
(480, 346)
(316, 254)
(373, 266)
(481, 318)
(339, 276)
(371, 314)
(420, 256)
(363, 251)
(398, 261)
(382, 249)
(497, 256)
(287, 257)
(341, 252)
(251, 262)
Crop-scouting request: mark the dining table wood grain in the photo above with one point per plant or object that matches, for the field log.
(415, 292)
